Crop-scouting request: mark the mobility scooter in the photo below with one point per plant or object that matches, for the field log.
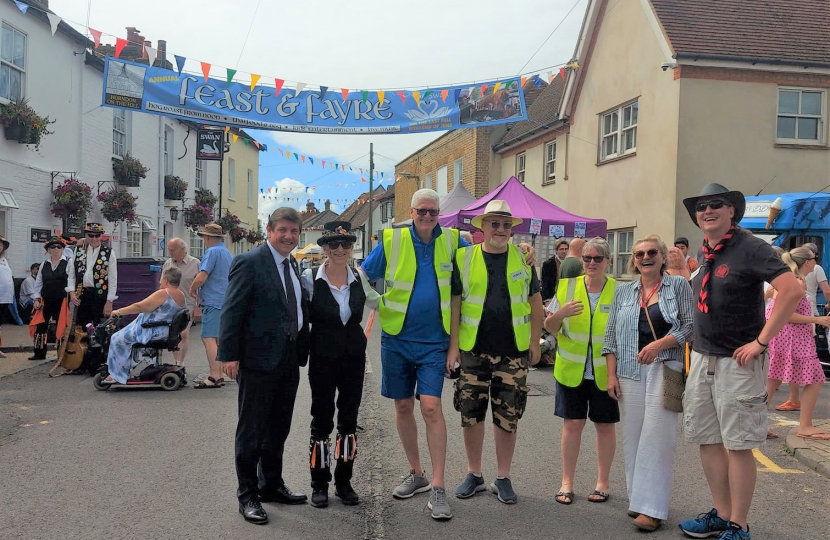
(148, 372)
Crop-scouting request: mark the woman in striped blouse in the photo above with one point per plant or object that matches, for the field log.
(650, 321)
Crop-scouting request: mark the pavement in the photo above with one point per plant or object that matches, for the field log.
(138, 463)
(812, 453)
(16, 338)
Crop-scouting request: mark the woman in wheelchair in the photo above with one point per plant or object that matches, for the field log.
(162, 305)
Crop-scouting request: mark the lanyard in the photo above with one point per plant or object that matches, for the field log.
(644, 300)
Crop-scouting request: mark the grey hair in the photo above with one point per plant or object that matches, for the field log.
(425, 194)
(466, 235)
(173, 276)
(812, 247)
(178, 241)
(599, 244)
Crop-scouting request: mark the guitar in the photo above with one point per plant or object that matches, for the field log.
(75, 340)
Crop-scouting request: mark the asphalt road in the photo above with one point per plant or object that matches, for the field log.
(79, 463)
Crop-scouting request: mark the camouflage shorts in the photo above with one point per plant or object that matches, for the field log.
(502, 379)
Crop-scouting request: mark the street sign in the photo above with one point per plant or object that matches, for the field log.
(210, 144)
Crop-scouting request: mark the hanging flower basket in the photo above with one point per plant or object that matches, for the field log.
(238, 234)
(73, 201)
(117, 205)
(22, 124)
(255, 237)
(128, 171)
(205, 197)
(197, 216)
(174, 187)
(228, 222)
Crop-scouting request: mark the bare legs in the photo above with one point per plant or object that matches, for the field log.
(809, 398)
(474, 442)
(180, 355)
(211, 349)
(571, 442)
(731, 476)
(436, 434)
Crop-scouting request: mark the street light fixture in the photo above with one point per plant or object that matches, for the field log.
(174, 213)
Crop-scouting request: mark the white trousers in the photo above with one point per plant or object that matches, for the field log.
(649, 436)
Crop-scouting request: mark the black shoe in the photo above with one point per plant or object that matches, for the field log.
(320, 498)
(37, 357)
(347, 494)
(283, 495)
(252, 512)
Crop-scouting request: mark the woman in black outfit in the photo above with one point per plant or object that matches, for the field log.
(337, 362)
(50, 292)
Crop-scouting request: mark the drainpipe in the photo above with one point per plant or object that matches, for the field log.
(160, 226)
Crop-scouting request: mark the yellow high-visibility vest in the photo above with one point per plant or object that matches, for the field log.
(474, 282)
(576, 333)
(401, 265)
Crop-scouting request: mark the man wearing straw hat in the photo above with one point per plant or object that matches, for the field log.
(499, 291)
(210, 285)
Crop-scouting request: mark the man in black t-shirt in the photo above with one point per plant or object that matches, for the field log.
(496, 325)
(725, 401)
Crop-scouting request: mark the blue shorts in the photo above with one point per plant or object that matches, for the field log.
(410, 367)
(210, 321)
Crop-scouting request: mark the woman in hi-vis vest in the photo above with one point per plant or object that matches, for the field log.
(578, 315)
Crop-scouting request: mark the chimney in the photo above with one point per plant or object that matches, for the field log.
(327, 205)
(133, 35)
(162, 55)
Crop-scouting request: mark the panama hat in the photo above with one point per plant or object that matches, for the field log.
(495, 208)
(5, 243)
(94, 228)
(212, 229)
(337, 231)
(735, 198)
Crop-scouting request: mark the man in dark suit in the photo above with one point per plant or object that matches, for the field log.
(261, 345)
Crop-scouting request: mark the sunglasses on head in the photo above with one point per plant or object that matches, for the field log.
(639, 255)
(597, 258)
(93, 235)
(507, 225)
(341, 243)
(424, 211)
(714, 205)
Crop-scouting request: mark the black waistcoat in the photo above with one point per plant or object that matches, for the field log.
(54, 281)
(330, 338)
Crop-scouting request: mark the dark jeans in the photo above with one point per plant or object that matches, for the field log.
(91, 309)
(266, 405)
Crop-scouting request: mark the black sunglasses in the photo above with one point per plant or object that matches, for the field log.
(714, 205)
(341, 243)
(93, 236)
(641, 254)
(496, 224)
(597, 259)
(424, 211)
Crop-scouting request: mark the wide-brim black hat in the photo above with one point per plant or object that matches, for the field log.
(5, 243)
(54, 241)
(735, 198)
(337, 231)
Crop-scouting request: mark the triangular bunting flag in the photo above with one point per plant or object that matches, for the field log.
(120, 43)
(22, 7)
(362, 179)
(562, 73)
(245, 142)
(254, 79)
(483, 89)
(550, 76)
(311, 159)
(572, 64)
(381, 95)
(152, 54)
(300, 86)
(342, 167)
(363, 95)
(444, 94)
(303, 158)
(324, 166)
(278, 86)
(296, 156)
(96, 36)
(345, 92)
(496, 87)
(287, 154)
(234, 137)
(205, 70)
(180, 60)
(524, 80)
(231, 73)
(281, 152)
(417, 97)
(227, 129)
(323, 90)
(54, 21)
(403, 97)
(427, 94)
(537, 80)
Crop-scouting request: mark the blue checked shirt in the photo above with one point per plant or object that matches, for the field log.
(622, 335)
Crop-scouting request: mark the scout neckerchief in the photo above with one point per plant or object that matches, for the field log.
(709, 254)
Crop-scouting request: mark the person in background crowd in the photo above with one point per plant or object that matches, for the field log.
(263, 342)
(6, 286)
(189, 268)
(467, 236)
(580, 368)
(638, 344)
(815, 280)
(95, 267)
(70, 243)
(561, 248)
(499, 292)
(27, 288)
(792, 352)
(682, 243)
(210, 286)
(572, 266)
(727, 376)
(337, 362)
(550, 277)
(49, 294)
(162, 305)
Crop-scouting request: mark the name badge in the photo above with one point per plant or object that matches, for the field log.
(605, 308)
(518, 274)
(446, 267)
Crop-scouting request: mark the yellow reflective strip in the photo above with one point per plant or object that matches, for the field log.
(446, 304)
(569, 356)
(444, 282)
(518, 321)
(400, 285)
(447, 234)
(470, 320)
(392, 258)
(518, 299)
(394, 306)
(599, 361)
(465, 275)
(582, 338)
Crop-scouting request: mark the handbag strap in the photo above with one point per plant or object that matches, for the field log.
(648, 318)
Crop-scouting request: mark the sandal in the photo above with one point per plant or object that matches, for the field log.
(789, 406)
(567, 495)
(214, 383)
(817, 436)
(599, 496)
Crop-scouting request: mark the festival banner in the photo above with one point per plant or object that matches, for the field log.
(156, 90)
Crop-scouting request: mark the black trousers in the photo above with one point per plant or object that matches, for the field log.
(51, 311)
(266, 405)
(343, 378)
(91, 309)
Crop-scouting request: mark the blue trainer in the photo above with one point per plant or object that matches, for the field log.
(705, 525)
(471, 485)
(735, 532)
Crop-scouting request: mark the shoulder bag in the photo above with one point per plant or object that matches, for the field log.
(674, 382)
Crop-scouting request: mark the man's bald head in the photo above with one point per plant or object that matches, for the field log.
(575, 249)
